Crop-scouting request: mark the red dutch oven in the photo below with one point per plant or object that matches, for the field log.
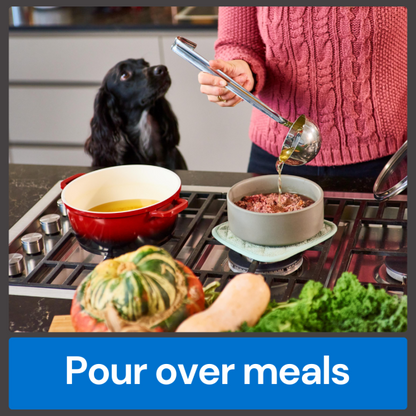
(154, 223)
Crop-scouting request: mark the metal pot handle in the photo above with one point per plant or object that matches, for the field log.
(66, 181)
(181, 205)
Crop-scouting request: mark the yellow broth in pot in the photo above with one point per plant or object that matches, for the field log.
(123, 205)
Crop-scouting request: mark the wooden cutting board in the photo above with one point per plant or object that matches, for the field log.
(61, 323)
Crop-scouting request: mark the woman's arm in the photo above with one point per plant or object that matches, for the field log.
(241, 50)
(239, 39)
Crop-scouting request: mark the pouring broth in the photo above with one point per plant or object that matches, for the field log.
(284, 156)
(123, 205)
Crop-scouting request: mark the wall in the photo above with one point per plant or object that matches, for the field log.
(54, 78)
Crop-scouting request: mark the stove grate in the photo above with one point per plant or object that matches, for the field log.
(368, 231)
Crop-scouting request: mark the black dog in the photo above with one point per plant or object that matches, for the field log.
(133, 123)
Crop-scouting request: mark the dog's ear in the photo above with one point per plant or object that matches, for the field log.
(168, 136)
(168, 125)
(106, 130)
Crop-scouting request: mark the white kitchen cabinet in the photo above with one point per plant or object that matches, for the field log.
(39, 155)
(55, 115)
(212, 137)
(54, 77)
(84, 57)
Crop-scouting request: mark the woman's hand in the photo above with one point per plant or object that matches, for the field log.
(213, 86)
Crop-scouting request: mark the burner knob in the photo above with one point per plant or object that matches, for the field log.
(32, 243)
(51, 223)
(16, 264)
(62, 208)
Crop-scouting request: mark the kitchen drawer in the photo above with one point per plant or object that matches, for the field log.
(212, 138)
(50, 114)
(64, 156)
(75, 57)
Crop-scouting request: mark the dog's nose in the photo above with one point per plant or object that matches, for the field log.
(159, 70)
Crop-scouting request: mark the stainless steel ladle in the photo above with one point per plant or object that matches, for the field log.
(303, 141)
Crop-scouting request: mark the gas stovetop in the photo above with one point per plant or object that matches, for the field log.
(371, 242)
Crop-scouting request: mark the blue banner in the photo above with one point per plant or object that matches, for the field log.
(207, 373)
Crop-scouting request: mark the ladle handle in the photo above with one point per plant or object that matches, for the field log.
(185, 49)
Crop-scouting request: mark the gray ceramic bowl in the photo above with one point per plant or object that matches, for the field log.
(278, 229)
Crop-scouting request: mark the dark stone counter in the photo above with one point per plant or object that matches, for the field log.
(29, 183)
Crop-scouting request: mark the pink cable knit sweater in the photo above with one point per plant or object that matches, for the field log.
(343, 67)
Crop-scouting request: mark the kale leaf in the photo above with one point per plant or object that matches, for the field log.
(349, 307)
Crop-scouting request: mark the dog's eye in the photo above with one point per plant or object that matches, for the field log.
(125, 75)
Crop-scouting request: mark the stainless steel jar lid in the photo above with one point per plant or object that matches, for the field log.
(51, 223)
(393, 178)
(16, 264)
(62, 208)
(32, 243)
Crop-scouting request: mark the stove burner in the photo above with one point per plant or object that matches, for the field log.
(396, 267)
(393, 269)
(240, 264)
(110, 252)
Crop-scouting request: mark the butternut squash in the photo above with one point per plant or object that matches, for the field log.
(244, 299)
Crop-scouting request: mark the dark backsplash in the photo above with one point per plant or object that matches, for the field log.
(107, 18)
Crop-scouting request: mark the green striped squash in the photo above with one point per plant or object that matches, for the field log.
(145, 290)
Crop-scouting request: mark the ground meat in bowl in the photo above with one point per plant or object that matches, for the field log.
(271, 203)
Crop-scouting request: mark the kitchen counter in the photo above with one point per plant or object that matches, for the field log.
(29, 183)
